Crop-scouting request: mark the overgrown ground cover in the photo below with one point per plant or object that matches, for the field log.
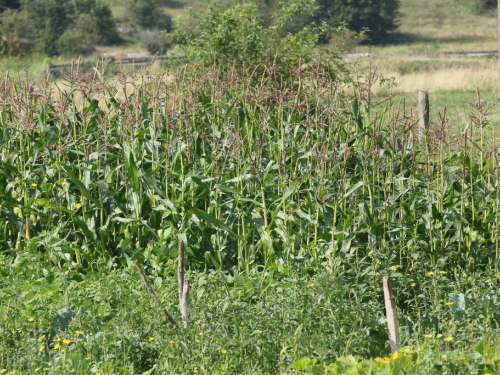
(295, 194)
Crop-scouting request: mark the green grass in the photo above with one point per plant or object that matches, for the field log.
(458, 106)
(69, 319)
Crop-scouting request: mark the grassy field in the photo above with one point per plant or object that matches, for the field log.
(417, 56)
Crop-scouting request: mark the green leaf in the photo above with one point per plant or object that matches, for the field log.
(301, 364)
(88, 233)
(215, 222)
(85, 192)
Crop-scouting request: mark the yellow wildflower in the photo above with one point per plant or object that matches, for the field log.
(370, 253)
(442, 272)
(312, 285)
(151, 339)
(447, 339)
(64, 183)
(79, 332)
(42, 337)
(429, 336)
(412, 285)
(223, 351)
(78, 205)
(411, 269)
(66, 342)
(383, 360)
(394, 268)
(57, 346)
(439, 336)
(449, 303)
(444, 357)
(34, 185)
(172, 342)
(42, 348)
(430, 273)
(58, 339)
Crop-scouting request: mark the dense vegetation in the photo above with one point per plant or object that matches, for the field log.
(380, 18)
(73, 28)
(295, 189)
(55, 27)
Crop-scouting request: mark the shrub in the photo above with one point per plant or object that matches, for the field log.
(239, 36)
(481, 6)
(153, 42)
(380, 17)
(75, 42)
(11, 33)
(144, 12)
(81, 24)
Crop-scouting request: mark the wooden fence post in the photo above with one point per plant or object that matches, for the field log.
(392, 318)
(183, 286)
(423, 113)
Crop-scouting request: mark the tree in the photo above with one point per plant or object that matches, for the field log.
(379, 16)
(481, 6)
(145, 12)
(9, 4)
(56, 27)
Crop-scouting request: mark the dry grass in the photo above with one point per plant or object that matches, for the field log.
(450, 79)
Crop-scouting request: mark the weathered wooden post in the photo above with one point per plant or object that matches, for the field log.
(183, 286)
(423, 113)
(392, 318)
(153, 294)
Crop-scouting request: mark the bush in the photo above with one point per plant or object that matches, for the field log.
(153, 42)
(9, 4)
(481, 6)
(239, 36)
(379, 16)
(81, 24)
(144, 13)
(76, 42)
(12, 42)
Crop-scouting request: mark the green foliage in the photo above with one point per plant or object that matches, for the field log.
(239, 36)
(310, 320)
(9, 4)
(75, 42)
(12, 28)
(153, 41)
(294, 196)
(379, 16)
(484, 5)
(144, 12)
(58, 27)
